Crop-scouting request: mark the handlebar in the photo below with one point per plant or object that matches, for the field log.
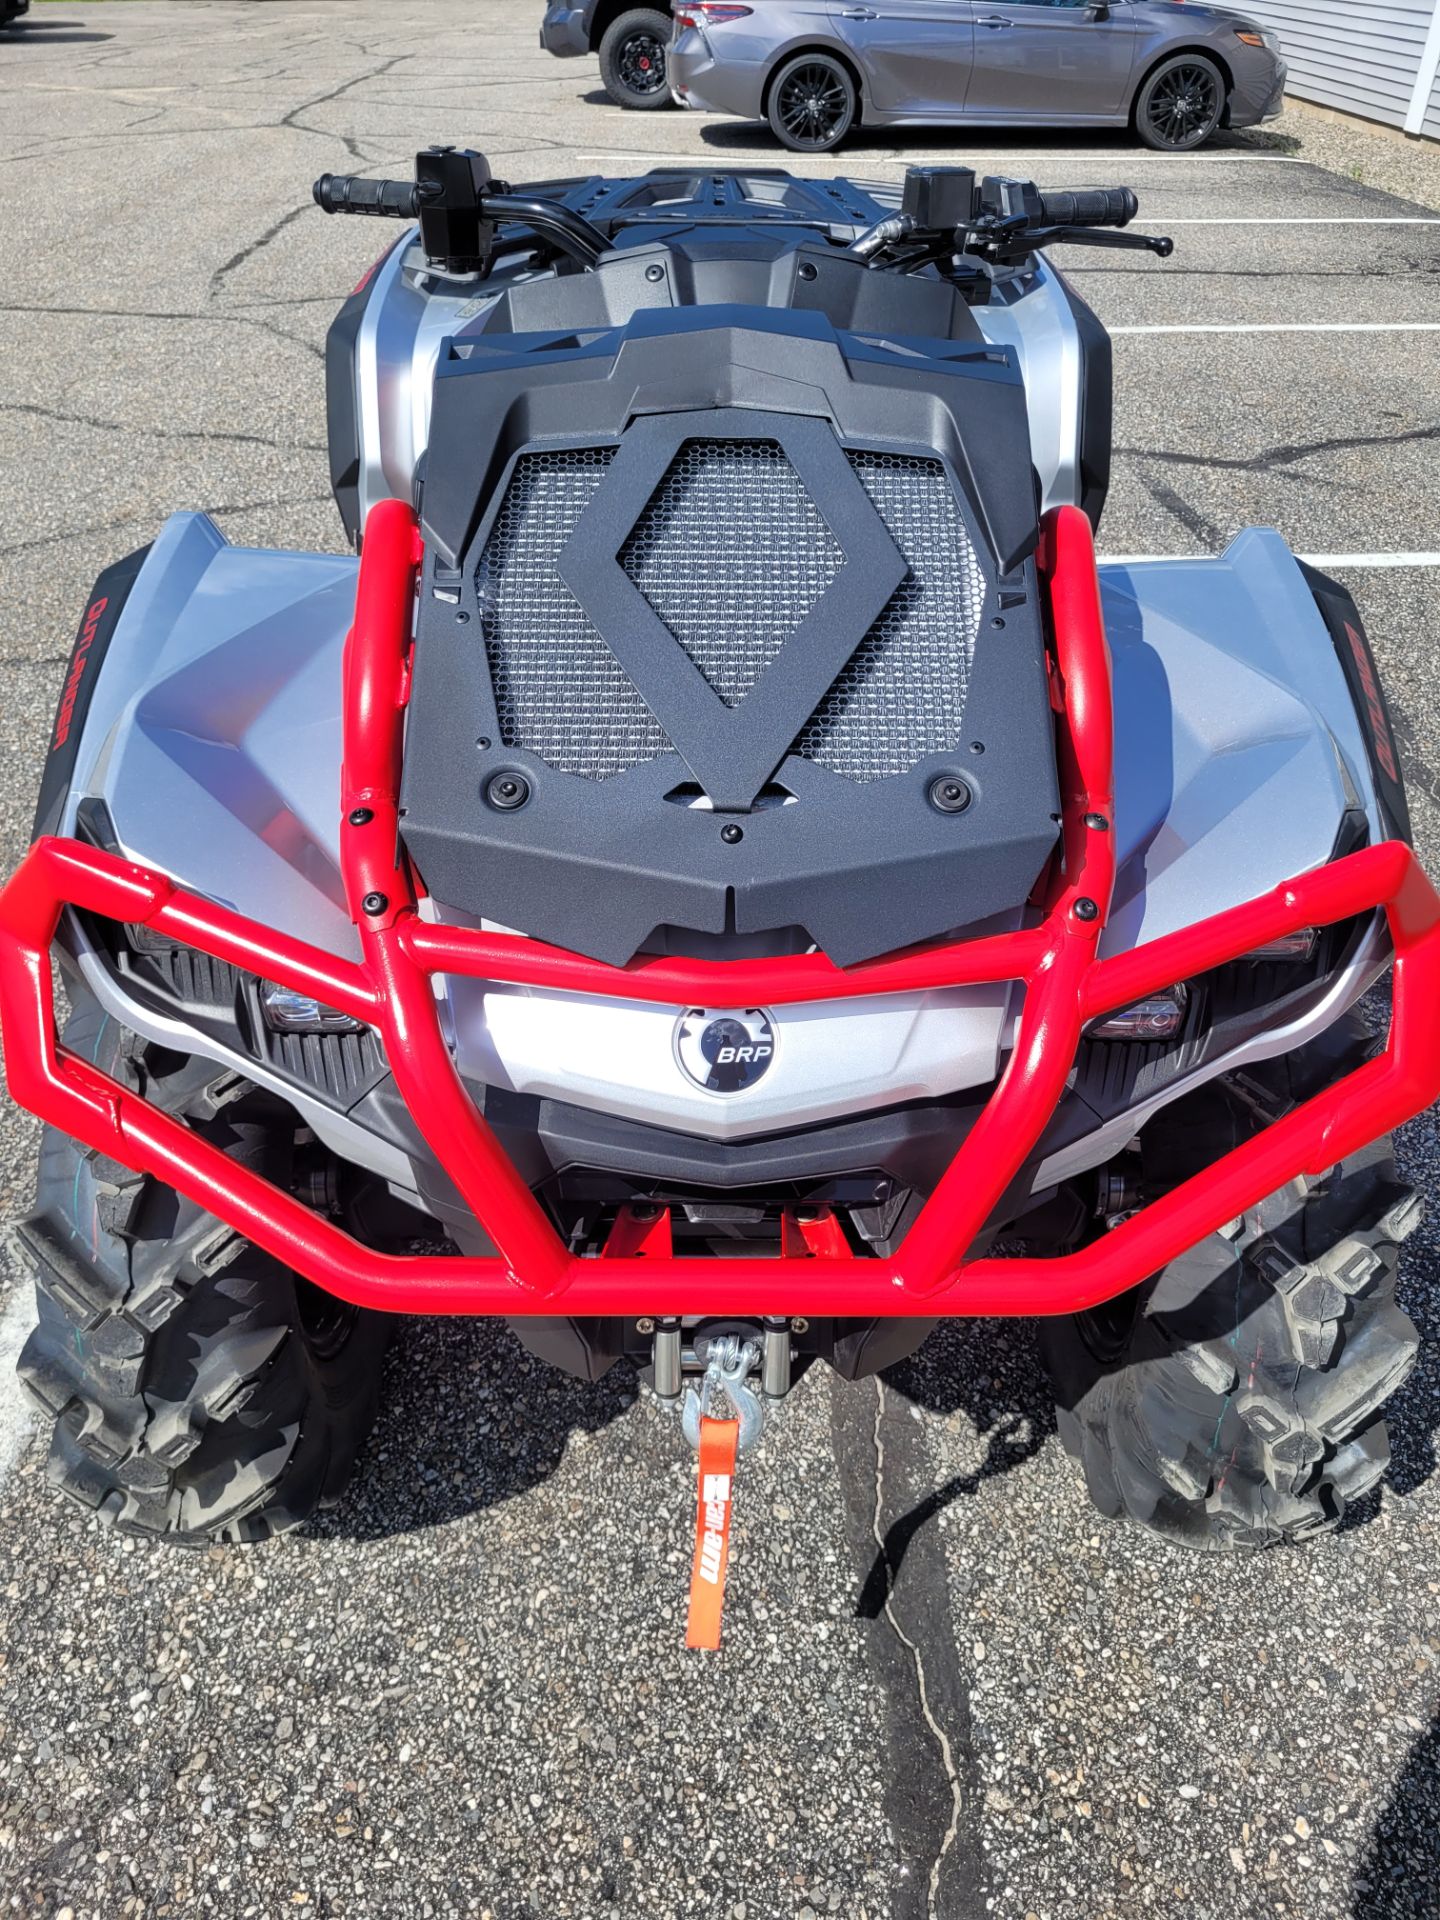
(945, 210)
(349, 193)
(459, 207)
(1096, 207)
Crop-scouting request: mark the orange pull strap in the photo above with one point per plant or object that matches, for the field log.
(718, 1440)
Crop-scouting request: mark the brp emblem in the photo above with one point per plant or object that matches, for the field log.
(724, 1052)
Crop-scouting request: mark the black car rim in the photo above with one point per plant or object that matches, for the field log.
(641, 63)
(1184, 105)
(813, 104)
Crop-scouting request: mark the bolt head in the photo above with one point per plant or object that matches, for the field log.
(655, 271)
(374, 903)
(1097, 823)
(948, 793)
(732, 834)
(361, 816)
(1086, 909)
(507, 791)
(645, 1324)
(799, 1324)
(808, 270)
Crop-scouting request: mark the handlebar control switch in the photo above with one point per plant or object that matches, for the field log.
(1011, 200)
(450, 183)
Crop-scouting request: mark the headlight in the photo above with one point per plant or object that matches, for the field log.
(289, 1012)
(1159, 1016)
(1290, 946)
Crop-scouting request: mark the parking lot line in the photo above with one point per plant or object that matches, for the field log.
(1357, 561)
(1306, 220)
(909, 159)
(1284, 326)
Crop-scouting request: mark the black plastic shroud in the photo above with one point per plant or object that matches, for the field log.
(597, 865)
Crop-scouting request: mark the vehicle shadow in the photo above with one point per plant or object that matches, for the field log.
(50, 33)
(754, 136)
(990, 1373)
(1399, 1874)
(468, 1419)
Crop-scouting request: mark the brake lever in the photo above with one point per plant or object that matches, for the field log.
(1156, 243)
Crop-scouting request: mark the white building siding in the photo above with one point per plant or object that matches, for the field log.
(1362, 56)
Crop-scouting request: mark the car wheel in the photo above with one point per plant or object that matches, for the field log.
(1180, 105)
(813, 104)
(633, 60)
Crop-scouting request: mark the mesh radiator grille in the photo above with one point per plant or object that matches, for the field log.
(559, 690)
(902, 695)
(732, 554)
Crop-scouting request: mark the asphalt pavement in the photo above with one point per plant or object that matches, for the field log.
(948, 1688)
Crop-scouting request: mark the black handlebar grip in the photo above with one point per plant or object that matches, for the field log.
(1097, 207)
(349, 193)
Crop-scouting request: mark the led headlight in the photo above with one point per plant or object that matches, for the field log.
(1290, 946)
(1159, 1016)
(287, 1011)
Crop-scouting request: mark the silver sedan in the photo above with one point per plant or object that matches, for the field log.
(817, 69)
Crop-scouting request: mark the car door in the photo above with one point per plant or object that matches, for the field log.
(914, 55)
(1051, 59)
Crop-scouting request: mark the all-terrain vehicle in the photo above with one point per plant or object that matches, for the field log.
(722, 881)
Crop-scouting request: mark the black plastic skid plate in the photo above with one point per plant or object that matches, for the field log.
(597, 866)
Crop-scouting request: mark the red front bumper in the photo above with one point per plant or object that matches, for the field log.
(391, 990)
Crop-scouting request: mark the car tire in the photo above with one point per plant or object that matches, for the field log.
(199, 1390)
(634, 60)
(1180, 104)
(813, 104)
(1233, 1401)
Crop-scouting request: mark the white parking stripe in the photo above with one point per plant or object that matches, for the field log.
(721, 163)
(1303, 220)
(1355, 560)
(17, 1420)
(1297, 326)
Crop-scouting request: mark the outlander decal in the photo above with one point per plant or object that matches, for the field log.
(1374, 706)
(89, 627)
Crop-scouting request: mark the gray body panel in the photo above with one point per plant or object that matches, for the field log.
(565, 29)
(976, 62)
(403, 329)
(214, 739)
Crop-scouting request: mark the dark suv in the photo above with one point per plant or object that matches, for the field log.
(632, 43)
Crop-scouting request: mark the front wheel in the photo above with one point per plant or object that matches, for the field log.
(1181, 103)
(813, 104)
(633, 60)
(199, 1390)
(1235, 1399)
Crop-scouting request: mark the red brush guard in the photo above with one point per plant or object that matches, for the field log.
(391, 990)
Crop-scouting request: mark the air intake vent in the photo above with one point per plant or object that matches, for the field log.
(732, 554)
(902, 696)
(559, 689)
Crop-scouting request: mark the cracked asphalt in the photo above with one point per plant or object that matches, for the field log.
(948, 1688)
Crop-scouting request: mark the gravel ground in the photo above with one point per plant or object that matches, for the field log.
(464, 1692)
(1376, 157)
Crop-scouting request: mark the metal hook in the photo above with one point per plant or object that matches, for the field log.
(728, 1361)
